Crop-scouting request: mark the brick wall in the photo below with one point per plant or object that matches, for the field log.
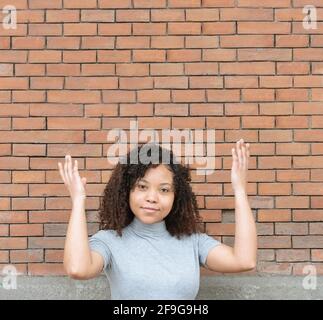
(74, 69)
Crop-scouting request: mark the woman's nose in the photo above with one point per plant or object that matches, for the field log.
(151, 196)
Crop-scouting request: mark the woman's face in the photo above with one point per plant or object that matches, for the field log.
(156, 191)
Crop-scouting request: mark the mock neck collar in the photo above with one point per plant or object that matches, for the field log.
(153, 229)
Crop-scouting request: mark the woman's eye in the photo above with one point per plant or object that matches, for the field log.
(165, 190)
(140, 186)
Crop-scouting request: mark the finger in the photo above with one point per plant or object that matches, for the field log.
(239, 153)
(69, 167)
(84, 181)
(61, 172)
(244, 154)
(234, 157)
(248, 154)
(67, 179)
(75, 168)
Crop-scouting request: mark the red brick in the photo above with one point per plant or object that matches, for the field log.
(26, 230)
(28, 124)
(264, 27)
(308, 215)
(97, 15)
(244, 68)
(264, 3)
(274, 189)
(95, 110)
(97, 43)
(38, 29)
(240, 41)
(63, 43)
(13, 243)
(28, 42)
(80, 29)
(114, 29)
(264, 54)
(49, 110)
(54, 255)
(99, 69)
(292, 175)
(30, 69)
(75, 96)
(275, 108)
(317, 254)
(62, 15)
(274, 242)
(21, 30)
(18, 256)
(39, 136)
(292, 202)
(291, 228)
(220, 228)
(46, 83)
(28, 177)
(39, 4)
(274, 215)
(73, 123)
(82, 56)
(4, 230)
(45, 242)
(114, 4)
(308, 241)
(215, 28)
(28, 96)
(292, 67)
(48, 216)
(291, 255)
(4, 256)
(75, 4)
(31, 16)
(88, 83)
(46, 269)
(13, 83)
(13, 217)
(315, 228)
(27, 204)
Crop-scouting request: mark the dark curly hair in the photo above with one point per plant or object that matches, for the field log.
(115, 212)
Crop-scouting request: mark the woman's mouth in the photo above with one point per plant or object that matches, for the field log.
(148, 209)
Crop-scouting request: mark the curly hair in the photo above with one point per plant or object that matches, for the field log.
(115, 212)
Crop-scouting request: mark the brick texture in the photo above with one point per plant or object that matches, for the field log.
(73, 70)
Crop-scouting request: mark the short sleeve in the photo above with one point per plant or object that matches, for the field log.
(205, 244)
(98, 244)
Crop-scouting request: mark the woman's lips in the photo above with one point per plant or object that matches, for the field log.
(149, 209)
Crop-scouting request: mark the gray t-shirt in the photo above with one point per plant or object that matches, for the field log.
(148, 263)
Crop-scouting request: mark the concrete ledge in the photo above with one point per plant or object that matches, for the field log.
(211, 288)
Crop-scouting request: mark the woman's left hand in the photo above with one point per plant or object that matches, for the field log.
(240, 155)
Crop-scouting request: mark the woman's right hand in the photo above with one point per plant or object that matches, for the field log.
(74, 183)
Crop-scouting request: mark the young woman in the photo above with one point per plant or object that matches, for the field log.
(149, 244)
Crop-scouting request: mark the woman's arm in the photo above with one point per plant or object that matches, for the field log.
(243, 256)
(79, 262)
(245, 243)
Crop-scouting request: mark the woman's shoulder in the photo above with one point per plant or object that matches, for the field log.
(106, 234)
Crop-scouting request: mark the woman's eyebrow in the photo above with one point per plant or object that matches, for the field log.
(160, 183)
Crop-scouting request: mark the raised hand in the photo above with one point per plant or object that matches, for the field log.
(74, 183)
(239, 169)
